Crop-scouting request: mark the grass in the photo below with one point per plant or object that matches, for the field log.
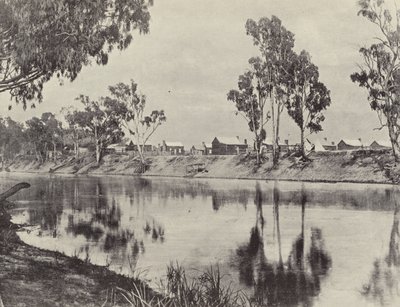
(205, 290)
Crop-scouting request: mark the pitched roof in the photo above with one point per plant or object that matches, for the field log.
(116, 145)
(208, 145)
(354, 143)
(173, 144)
(229, 140)
(383, 143)
(198, 147)
(269, 141)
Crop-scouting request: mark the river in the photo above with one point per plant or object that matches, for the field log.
(310, 244)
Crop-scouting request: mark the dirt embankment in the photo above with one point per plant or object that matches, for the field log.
(33, 277)
(350, 166)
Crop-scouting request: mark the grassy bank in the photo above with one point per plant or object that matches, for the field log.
(358, 166)
(34, 277)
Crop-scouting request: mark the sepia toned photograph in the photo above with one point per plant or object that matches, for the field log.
(199, 153)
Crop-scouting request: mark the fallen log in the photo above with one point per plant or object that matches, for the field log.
(13, 190)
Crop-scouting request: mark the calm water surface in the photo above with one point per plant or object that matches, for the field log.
(290, 243)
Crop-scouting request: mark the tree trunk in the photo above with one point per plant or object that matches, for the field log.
(274, 140)
(278, 115)
(303, 152)
(54, 151)
(98, 152)
(76, 150)
(13, 190)
(258, 148)
(393, 140)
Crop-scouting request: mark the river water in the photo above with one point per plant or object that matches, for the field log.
(308, 244)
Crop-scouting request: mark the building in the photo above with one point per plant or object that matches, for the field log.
(228, 146)
(283, 147)
(349, 144)
(116, 148)
(172, 148)
(201, 150)
(381, 145)
(133, 147)
(330, 146)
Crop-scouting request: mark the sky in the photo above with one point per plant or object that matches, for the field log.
(195, 51)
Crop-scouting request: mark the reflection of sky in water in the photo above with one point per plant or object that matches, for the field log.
(147, 223)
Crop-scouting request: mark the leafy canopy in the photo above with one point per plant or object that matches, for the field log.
(43, 38)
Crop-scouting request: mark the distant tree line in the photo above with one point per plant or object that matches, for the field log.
(276, 80)
(97, 124)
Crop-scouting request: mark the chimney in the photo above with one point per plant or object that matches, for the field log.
(333, 143)
(286, 142)
(237, 137)
(245, 141)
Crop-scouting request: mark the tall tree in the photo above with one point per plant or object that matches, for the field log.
(53, 131)
(35, 132)
(250, 101)
(380, 72)
(39, 39)
(101, 120)
(309, 97)
(131, 107)
(74, 132)
(275, 43)
(12, 138)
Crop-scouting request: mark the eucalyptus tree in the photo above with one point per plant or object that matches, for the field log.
(308, 96)
(11, 138)
(53, 131)
(276, 44)
(35, 132)
(250, 101)
(41, 39)
(380, 72)
(131, 109)
(100, 120)
(74, 133)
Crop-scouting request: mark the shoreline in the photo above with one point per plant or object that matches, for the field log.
(60, 280)
(203, 178)
(328, 167)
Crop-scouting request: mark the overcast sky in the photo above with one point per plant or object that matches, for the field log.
(195, 52)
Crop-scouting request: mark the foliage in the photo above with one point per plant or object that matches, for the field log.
(11, 138)
(101, 120)
(40, 39)
(130, 105)
(250, 100)
(270, 72)
(309, 97)
(203, 291)
(380, 73)
(41, 132)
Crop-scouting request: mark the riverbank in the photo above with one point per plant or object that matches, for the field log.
(363, 166)
(30, 276)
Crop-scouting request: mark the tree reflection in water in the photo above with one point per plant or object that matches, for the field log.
(278, 283)
(384, 285)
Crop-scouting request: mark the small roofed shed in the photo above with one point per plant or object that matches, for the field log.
(349, 144)
(268, 145)
(173, 148)
(328, 145)
(381, 145)
(228, 146)
(117, 148)
(133, 147)
(201, 150)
